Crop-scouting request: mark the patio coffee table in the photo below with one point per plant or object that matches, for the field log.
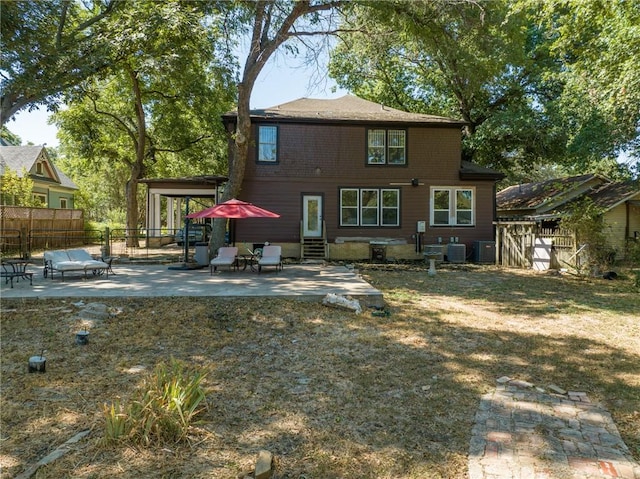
(15, 268)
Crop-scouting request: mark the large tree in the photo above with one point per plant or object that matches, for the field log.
(493, 64)
(156, 108)
(269, 24)
(597, 45)
(475, 61)
(49, 46)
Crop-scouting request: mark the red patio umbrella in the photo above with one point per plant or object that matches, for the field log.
(234, 209)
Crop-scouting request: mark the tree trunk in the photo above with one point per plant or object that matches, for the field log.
(137, 167)
(131, 192)
(262, 48)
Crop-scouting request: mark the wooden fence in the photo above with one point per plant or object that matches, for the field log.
(27, 232)
(19, 227)
(523, 244)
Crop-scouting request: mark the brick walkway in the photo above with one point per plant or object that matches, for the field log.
(521, 432)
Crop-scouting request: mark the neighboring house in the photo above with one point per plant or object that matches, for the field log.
(351, 179)
(548, 201)
(51, 187)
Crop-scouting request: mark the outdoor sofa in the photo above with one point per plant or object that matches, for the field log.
(65, 261)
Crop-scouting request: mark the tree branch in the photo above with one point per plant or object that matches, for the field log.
(63, 19)
(110, 6)
(186, 146)
(115, 118)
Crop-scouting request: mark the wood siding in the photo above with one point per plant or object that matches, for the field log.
(621, 224)
(321, 159)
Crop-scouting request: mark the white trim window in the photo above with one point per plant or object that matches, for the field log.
(63, 203)
(386, 147)
(369, 207)
(452, 206)
(267, 144)
(40, 200)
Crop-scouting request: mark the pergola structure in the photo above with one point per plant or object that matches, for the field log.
(176, 190)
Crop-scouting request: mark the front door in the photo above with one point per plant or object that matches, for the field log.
(312, 216)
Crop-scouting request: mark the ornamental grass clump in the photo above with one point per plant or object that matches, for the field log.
(161, 410)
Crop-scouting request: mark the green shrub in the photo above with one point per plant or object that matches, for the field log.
(116, 424)
(633, 252)
(162, 409)
(587, 221)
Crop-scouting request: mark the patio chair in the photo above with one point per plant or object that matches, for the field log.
(271, 256)
(226, 257)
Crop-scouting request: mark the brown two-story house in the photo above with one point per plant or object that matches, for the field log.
(351, 179)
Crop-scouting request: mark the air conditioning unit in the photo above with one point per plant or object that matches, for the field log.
(434, 251)
(484, 251)
(456, 253)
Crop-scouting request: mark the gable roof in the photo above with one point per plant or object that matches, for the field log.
(347, 108)
(19, 158)
(557, 196)
(532, 196)
(610, 195)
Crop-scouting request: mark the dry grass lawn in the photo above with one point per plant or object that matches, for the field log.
(329, 393)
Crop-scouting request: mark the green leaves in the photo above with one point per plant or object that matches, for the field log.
(539, 82)
(17, 189)
(155, 112)
(48, 46)
(161, 411)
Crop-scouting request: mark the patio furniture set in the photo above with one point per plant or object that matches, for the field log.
(80, 260)
(228, 256)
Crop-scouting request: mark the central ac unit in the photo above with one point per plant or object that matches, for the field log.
(456, 253)
(484, 251)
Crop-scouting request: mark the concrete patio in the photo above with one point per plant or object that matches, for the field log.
(296, 281)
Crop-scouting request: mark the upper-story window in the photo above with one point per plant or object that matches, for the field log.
(39, 168)
(267, 144)
(63, 203)
(386, 147)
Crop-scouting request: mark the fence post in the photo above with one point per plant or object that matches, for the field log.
(107, 243)
(24, 249)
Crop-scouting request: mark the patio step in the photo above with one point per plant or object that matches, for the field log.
(313, 248)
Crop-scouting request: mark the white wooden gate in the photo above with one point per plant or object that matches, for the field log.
(523, 244)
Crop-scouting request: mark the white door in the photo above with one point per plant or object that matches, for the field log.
(312, 216)
(542, 254)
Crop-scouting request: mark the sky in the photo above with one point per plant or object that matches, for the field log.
(282, 80)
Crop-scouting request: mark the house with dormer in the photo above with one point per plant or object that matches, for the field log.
(353, 179)
(51, 187)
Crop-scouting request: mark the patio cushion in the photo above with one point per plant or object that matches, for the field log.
(271, 256)
(226, 257)
(72, 260)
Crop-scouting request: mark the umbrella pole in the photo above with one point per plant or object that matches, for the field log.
(186, 232)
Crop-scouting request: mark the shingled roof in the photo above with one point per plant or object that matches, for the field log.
(471, 171)
(557, 196)
(348, 108)
(19, 158)
(532, 196)
(610, 195)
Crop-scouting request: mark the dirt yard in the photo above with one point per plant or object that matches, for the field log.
(331, 394)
